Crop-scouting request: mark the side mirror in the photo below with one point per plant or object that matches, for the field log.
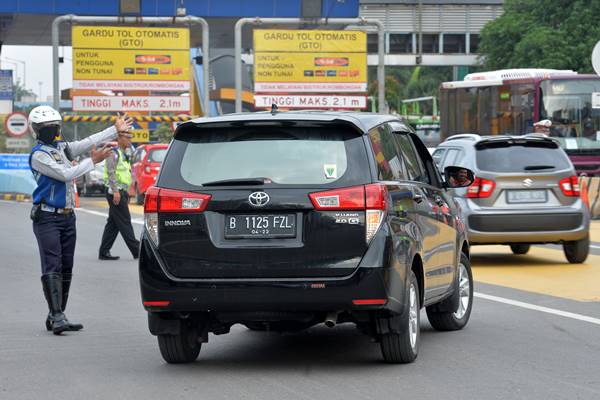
(458, 177)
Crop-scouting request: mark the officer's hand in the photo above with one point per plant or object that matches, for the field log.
(100, 155)
(123, 123)
(116, 198)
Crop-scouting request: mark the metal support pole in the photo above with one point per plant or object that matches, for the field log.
(187, 20)
(320, 21)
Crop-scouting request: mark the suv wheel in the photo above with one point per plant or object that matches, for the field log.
(462, 302)
(577, 251)
(520, 248)
(401, 343)
(181, 348)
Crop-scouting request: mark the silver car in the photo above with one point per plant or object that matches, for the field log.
(525, 192)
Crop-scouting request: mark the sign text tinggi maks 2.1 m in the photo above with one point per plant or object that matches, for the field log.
(310, 62)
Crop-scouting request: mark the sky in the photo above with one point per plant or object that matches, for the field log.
(38, 60)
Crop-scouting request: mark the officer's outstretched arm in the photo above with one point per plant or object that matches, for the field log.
(85, 145)
(45, 164)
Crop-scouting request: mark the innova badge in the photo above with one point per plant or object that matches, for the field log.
(258, 199)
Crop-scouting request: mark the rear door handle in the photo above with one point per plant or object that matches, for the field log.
(417, 197)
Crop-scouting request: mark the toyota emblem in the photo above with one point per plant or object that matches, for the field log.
(258, 199)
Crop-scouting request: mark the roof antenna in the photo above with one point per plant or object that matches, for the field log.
(274, 108)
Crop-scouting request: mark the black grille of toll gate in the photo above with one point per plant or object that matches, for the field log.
(311, 8)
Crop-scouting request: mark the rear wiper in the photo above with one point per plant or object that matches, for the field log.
(535, 167)
(240, 181)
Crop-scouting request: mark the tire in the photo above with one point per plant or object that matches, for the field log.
(577, 251)
(442, 319)
(181, 348)
(520, 248)
(400, 345)
(139, 198)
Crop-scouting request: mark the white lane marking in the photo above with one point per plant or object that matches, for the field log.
(101, 214)
(530, 306)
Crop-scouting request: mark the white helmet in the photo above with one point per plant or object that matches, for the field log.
(41, 116)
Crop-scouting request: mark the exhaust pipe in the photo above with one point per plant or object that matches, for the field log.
(331, 319)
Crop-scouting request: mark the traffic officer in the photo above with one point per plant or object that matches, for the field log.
(54, 200)
(117, 179)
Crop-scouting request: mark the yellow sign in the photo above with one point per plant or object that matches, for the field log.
(104, 53)
(140, 135)
(310, 61)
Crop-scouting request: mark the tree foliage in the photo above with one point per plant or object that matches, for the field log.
(542, 34)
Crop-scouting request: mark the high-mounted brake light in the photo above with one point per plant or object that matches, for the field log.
(369, 302)
(569, 186)
(157, 303)
(480, 188)
(371, 198)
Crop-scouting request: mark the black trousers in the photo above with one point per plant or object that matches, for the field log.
(56, 236)
(119, 221)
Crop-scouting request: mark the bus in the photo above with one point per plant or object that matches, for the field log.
(510, 101)
(422, 114)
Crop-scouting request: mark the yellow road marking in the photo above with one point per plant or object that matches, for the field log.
(542, 270)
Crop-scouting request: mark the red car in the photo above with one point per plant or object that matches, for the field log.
(145, 165)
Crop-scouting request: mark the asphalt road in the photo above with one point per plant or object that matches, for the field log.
(506, 352)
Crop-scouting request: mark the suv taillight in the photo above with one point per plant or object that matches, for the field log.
(569, 186)
(168, 200)
(480, 188)
(371, 198)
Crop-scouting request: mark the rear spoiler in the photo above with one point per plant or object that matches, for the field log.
(543, 141)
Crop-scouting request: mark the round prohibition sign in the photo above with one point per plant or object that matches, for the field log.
(16, 124)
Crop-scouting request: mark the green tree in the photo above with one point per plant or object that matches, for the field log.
(542, 34)
(19, 91)
(163, 133)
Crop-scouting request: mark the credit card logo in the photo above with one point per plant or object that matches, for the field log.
(152, 59)
(331, 61)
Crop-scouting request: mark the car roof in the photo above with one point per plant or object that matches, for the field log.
(362, 120)
(473, 140)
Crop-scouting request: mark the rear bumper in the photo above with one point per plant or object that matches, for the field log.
(371, 281)
(495, 226)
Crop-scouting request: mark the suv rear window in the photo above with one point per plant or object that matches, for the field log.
(519, 157)
(286, 156)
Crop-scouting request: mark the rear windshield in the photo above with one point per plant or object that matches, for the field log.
(283, 156)
(529, 157)
(157, 155)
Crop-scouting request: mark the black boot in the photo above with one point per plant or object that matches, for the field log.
(66, 285)
(52, 284)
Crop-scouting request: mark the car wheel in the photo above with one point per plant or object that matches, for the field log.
(401, 342)
(139, 198)
(443, 319)
(520, 248)
(181, 348)
(577, 251)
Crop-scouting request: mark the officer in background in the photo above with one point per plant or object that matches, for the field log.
(117, 178)
(54, 200)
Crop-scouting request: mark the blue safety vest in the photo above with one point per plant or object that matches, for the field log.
(48, 191)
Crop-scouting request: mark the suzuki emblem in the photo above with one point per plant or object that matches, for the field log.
(527, 182)
(258, 199)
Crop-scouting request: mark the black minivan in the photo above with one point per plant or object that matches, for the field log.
(281, 221)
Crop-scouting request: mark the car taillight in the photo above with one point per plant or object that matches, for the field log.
(569, 186)
(168, 200)
(151, 213)
(352, 198)
(480, 188)
(371, 198)
(176, 201)
(147, 169)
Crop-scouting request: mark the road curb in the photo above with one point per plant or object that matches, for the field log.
(15, 197)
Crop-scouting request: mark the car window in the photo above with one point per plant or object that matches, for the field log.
(438, 155)
(415, 170)
(451, 157)
(157, 155)
(282, 155)
(524, 157)
(389, 166)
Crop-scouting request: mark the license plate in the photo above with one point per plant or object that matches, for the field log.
(260, 226)
(526, 196)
